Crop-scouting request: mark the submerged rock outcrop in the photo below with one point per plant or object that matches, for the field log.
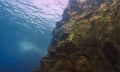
(87, 39)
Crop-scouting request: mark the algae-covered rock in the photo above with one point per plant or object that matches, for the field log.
(87, 39)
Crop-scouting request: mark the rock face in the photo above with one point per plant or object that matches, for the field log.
(87, 39)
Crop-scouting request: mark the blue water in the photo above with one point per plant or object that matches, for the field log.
(26, 31)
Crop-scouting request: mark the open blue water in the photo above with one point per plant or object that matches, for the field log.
(26, 31)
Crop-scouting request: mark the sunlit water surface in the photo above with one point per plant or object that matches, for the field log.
(25, 32)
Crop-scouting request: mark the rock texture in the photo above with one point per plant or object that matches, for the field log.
(87, 39)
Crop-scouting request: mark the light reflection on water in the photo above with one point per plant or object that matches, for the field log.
(40, 14)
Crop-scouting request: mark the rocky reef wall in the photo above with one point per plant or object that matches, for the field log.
(87, 39)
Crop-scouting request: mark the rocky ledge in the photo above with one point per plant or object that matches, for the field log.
(87, 39)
